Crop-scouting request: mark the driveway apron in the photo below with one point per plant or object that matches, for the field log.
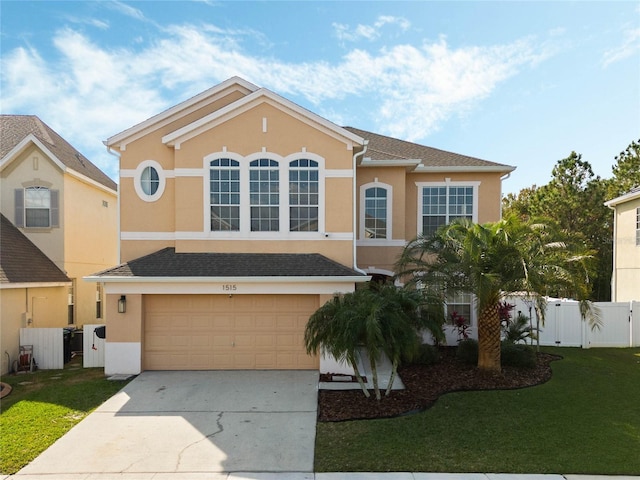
(213, 421)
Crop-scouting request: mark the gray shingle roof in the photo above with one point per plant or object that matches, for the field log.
(14, 128)
(382, 147)
(168, 263)
(21, 261)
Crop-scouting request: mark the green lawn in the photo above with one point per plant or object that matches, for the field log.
(586, 419)
(43, 406)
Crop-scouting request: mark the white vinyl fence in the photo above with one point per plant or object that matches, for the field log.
(48, 346)
(92, 347)
(564, 326)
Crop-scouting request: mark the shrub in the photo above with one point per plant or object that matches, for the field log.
(517, 355)
(427, 355)
(518, 330)
(467, 351)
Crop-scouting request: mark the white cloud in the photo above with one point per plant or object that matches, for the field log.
(127, 10)
(89, 93)
(94, 22)
(369, 32)
(630, 46)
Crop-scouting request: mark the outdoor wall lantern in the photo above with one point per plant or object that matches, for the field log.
(122, 304)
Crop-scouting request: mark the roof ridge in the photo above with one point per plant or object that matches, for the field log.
(44, 130)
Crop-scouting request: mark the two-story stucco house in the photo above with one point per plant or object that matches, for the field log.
(625, 281)
(68, 208)
(242, 213)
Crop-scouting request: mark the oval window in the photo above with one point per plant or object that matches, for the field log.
(149, 180)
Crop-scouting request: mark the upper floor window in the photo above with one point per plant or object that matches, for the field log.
(264, 195)
(440, 204)
(375, 213)
(224, 191)
(149, 180)
(303, 196)
(36, 207)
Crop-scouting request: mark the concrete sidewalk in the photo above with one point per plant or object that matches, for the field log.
(313, 476)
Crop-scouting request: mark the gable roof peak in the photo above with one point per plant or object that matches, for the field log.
(17, 132)
(166, 116)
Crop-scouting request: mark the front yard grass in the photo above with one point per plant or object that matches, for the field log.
(585, 420)
(44, 405)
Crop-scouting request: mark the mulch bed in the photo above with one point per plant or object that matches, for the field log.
(424, 384)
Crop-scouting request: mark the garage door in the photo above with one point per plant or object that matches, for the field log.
(219, 332)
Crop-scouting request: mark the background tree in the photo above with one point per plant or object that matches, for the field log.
(574, 199)
(626, 171)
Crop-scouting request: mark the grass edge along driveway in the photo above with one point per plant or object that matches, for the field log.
(45, 405)
(585, 420)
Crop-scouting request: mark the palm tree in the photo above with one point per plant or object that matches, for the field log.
(490, 260)
(375, 320)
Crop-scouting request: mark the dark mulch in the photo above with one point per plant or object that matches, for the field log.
(424, 384)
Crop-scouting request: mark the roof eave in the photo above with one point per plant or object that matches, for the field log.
(209, 121)
(8, 285)
(257, 279)
(120, 138)
(465, 168)
(623, 198)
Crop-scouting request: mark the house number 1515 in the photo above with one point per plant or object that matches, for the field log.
(229, 287)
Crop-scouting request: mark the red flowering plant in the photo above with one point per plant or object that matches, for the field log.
(504, 311)
(461, 325)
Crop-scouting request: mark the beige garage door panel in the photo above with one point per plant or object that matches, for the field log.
(216, 332)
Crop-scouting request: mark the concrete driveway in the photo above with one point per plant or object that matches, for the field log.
(179, 422)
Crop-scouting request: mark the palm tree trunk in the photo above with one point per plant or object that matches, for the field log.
(374, 374)
(354, 364)
(489, 339)
(394, 371)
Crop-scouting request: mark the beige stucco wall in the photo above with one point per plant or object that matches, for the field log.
(373, 259)
(90, 241)
(124, 327)
(86, 240)
(627, 261)
(405, 207)
(181, 208)
(22, 172)
(39, 307)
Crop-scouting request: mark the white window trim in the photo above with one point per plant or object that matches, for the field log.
(245, 207)
(137, 177)
(447, 183)
(361, 231)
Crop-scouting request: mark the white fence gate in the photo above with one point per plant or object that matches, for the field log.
(48, 346)
(92, 347)
(564, 326)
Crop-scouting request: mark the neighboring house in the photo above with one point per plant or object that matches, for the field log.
(241, 213)
(625, 281)
(33, 290)
(64, 205)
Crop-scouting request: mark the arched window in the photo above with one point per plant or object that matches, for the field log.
(264, 195)
(303, 195)
(375, 213)
(224, 191)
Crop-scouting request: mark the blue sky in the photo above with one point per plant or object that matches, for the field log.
(521, 83)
